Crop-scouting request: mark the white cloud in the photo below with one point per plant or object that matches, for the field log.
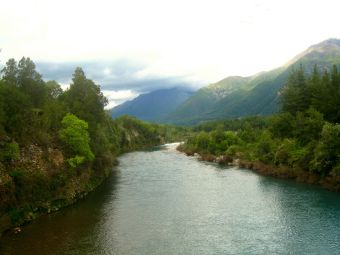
(117, 97)
(201, 40)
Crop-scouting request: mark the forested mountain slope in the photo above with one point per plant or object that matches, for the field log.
(153, 106)
(235, 97)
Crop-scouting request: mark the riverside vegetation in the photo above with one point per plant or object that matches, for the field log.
(302, 142)
(55, 145)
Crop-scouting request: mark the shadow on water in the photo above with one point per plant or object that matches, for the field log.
(55, 232)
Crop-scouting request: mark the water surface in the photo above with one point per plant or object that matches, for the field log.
(162, 202)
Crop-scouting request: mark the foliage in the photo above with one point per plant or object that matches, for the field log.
(260, 94)
(320, 93)
(135, 133)
(43, 129)
(85, 100)
(305, 135)
(75, 137)
(296, 94)
(327, 152)
(11, 151)
(76, 161)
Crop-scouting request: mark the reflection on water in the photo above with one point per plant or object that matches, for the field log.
(162, 202)
(56, 232)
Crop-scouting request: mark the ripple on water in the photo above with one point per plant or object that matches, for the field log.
(163, 202)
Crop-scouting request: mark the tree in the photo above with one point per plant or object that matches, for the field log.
(202, 140)
(30, 82)
(327, 154)
(335, 76)
(282, 125)
(85, 99)
(15, 109)
(333, 113)
(27, 72)
(54, 89)
(265, 147)
(296, 94)
(75, 137)
(10, 72)
(307, 126)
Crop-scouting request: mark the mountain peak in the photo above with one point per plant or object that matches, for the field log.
(155, 105)
(329, 48)
(235, 97)
(327, 43)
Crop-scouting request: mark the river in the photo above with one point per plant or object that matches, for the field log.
(163, 202)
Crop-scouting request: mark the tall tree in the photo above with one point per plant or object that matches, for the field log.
(85, 99)
(296, 94)
(334, 96)
(10, 72)
(30, 82)
(27, 72)
(54, 89)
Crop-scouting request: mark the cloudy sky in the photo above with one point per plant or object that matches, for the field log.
(135, 46)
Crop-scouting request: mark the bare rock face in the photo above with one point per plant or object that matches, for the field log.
(56, 157)
(31, 159)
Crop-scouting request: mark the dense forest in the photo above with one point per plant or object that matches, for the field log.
(57, 145)
(301, 142)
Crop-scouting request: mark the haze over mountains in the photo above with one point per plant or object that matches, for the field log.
(231, 97)
(154, 106)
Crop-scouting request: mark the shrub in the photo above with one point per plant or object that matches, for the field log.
(11, 151)
(75, 138)
(265, 147)
(326, 155)
(76, 161)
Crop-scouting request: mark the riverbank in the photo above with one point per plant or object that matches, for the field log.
(40, 179)
(40, 182)
(331, 183)
(160, 201)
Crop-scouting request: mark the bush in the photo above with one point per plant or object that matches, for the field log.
(11, 151)
(265, 147)
(282, 155)
(75, 137)
(202, 140)
(76, 161)
(308, 126)
(326, 155)
(336, 170)
(281, 125)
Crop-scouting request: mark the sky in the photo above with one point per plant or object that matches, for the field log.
(131, 47)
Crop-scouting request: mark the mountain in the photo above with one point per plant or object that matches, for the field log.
(259, 94)
(153, 106)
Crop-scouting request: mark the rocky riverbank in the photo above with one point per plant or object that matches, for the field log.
(40, 182)
(284, 172)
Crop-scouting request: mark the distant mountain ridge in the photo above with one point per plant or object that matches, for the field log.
(259, 94)
(154, 106)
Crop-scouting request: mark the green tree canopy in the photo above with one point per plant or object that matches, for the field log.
(85, 99)
(75, 137)
(327, 154)
(10, 72)
(296, 96)
(54, 89)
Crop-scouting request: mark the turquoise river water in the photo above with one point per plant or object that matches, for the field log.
(163, 202)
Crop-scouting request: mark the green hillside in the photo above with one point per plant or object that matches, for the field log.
(237, 96)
